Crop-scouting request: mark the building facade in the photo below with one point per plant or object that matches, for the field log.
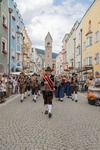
(59, 62)
(4, 31)
(15, 37)
(78, 49)
(71, 45)
(64, 53)
(27, 53)
(91, 40)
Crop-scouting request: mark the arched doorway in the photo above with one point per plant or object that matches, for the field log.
(2, 68)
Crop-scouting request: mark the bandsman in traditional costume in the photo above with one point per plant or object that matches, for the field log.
(22, 85)
(47, 88)
(74, 87)
(39, 85)
(34, 85)
(29, 85)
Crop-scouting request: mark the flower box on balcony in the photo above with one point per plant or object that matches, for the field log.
(5, 52)
(13, 57)
(13, 36)
(14, 18)
(71, 67)
(5, 26)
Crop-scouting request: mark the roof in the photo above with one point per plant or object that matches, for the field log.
(42, 52)
(48, 35)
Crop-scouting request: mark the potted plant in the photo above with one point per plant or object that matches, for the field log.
(91, 99)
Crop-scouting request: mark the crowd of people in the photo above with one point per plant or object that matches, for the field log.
(48, 84)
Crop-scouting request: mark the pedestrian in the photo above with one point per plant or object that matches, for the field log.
(74, 87)
(68, 89)
(57, 86)
(47, 88)
(22, 85)
(34, 84)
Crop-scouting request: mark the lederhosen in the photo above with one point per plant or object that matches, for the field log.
(47, 93)
(22, 85)
(74, 85)
(34, 87)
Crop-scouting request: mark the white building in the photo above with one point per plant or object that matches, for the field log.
(71, 44)
(59, 63)
(78, 50)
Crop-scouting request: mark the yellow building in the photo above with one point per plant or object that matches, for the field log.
(91, 39)
(27, 52)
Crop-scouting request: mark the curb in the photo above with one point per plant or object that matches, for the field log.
(8, 100)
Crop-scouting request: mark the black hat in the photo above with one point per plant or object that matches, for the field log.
(48, 69)
(74, 73)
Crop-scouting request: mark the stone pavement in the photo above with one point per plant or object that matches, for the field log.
(74, 126)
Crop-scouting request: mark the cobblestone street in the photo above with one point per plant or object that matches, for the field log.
(73, 126)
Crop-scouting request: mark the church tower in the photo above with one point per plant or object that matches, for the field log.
(48, 50)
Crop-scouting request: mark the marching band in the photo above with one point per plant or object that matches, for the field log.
(50, 86)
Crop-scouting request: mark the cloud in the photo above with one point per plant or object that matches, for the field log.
(41, 16)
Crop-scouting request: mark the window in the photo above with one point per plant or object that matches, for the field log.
(90, 60)
(4, 20)
(78, 64)
(13, 33)
(84, 62)
(13, 54)
(4, 46)
(18, 39)
(96, 58)
(78, 51)
(97, 36)
(89, 41)
(17, 24)
(18, 56)
(84, 44)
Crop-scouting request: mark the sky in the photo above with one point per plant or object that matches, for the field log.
(54, 16)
